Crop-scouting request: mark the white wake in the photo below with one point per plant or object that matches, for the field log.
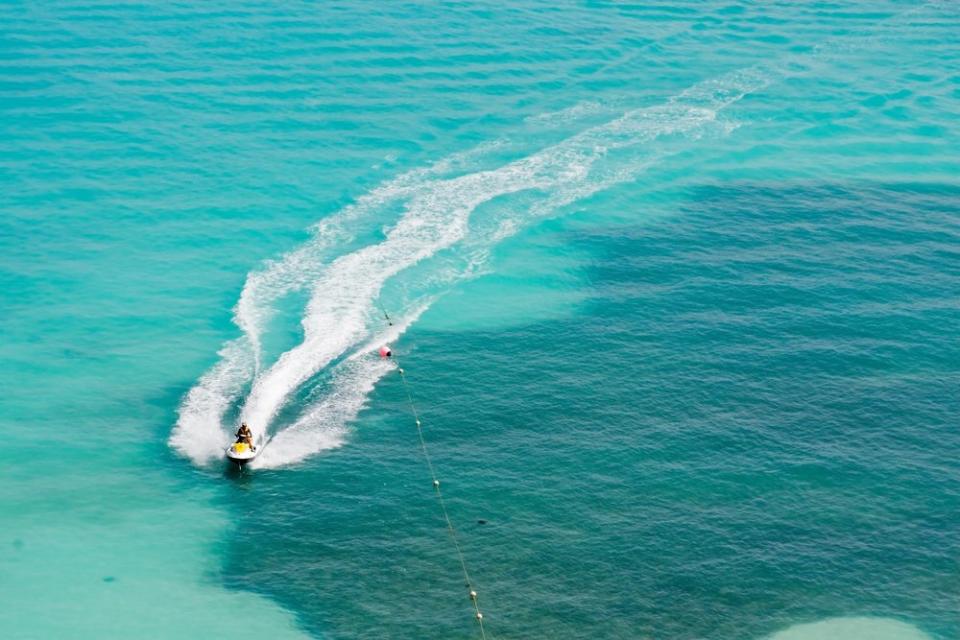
(437, 205)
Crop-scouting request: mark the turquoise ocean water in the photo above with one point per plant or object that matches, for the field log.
(676, 286)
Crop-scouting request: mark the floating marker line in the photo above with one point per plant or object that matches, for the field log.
(436, 487)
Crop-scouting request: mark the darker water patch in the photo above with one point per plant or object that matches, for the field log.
(751, 423)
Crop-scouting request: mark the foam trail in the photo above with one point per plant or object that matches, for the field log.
(324, 426)
(198, 433)
(438, 202)
(297, 269)
(435, 217)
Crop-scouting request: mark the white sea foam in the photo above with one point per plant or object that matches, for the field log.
(323, 425)
(199, 433)
(566, 115)
(437, 206)
(297, 269)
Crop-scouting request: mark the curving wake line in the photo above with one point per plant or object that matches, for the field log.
(436, 214)
(437, 205)
(323, 425)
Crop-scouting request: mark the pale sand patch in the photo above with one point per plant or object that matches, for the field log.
(861, 628)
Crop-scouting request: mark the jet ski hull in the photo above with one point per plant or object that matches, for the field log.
(241, 455)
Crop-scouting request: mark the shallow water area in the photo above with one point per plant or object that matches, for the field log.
(852, 629)
(133, 570)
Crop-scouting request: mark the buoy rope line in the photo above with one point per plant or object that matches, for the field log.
(436, 483)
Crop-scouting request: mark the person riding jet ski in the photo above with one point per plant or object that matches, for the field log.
(245, 435)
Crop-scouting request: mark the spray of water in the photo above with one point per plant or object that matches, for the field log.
(437, 204)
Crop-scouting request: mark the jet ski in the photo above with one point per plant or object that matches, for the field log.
(240, 453)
